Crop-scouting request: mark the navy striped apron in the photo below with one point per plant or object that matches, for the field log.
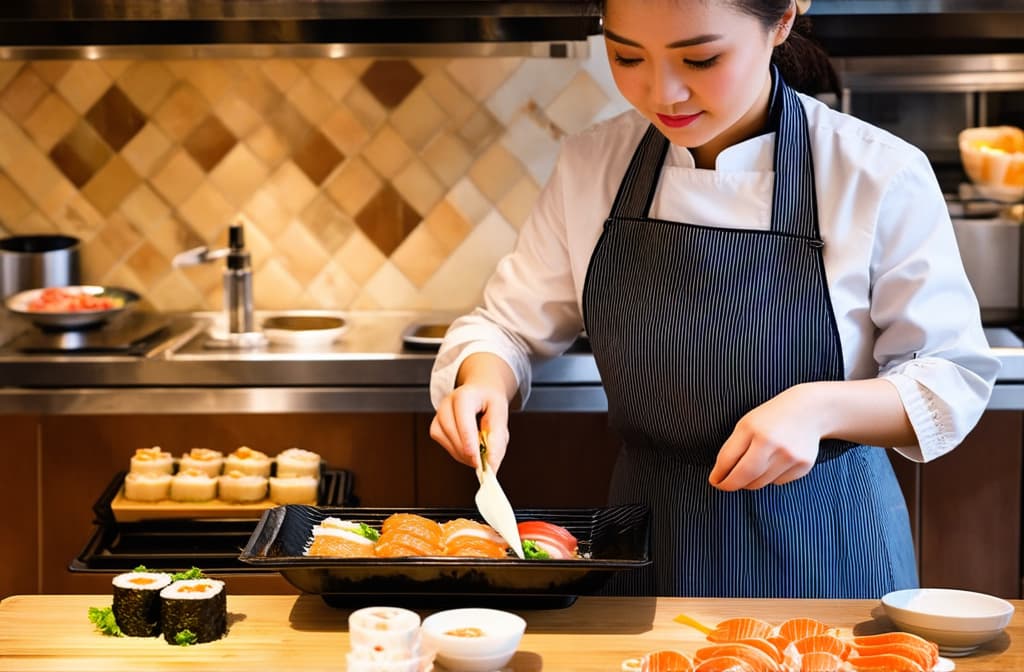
(691, 327)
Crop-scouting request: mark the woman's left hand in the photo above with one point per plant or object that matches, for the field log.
(775, 443)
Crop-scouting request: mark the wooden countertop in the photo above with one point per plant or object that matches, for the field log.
(285, 632)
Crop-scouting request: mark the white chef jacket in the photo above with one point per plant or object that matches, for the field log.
(903, 305)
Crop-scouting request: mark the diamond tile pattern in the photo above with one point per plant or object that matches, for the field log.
(364, 183)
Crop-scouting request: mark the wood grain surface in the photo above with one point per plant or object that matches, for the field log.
(52, 632)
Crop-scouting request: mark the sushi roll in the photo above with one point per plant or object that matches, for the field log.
(147, 487)
(193, 485)
(298, 462)
(197, 605)
(294, 490)
(152, 461)
(136, 604)
(248, 461)
(205, 460)
(235, 486)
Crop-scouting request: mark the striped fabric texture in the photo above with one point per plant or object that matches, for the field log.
(691, 327)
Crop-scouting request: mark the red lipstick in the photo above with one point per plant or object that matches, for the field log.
(678, 121)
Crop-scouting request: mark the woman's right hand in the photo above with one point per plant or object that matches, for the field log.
(479, 402)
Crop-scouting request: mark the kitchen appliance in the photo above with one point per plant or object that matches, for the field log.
(28, 262)
(132, 333)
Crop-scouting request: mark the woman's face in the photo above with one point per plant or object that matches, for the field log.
(697, 69)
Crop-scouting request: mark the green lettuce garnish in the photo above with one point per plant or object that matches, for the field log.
(104, 621)
(534, 552)
(141, 568)
(194, 573)
(368, 532)
(186, 638)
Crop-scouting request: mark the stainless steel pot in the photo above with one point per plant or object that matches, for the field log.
(28, 262)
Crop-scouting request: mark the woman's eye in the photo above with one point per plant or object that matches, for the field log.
(701, 65)
(627, 62)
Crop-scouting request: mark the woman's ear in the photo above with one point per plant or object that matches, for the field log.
(785, 25)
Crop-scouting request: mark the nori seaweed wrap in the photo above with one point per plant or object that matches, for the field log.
(197, 605)
(136, 605)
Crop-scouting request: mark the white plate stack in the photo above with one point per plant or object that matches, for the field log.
(386, 639)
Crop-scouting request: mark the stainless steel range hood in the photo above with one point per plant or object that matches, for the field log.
(918, 27)
(294, 28)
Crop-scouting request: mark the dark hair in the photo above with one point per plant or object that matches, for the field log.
(802, 61)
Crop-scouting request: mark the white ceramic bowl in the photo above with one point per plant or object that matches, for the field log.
(959, 621)
(494, 638)
(304, 330)
(993, 157)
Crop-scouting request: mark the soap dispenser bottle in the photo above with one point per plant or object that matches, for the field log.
(238, 283)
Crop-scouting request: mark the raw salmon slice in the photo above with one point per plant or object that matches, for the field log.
(398, 543)
(922, 655)
(824, 644)
(340, 546)
(820, 661)
(773, 651)
(666, 660)
(886, 662)
(472, 547)
(799, 628)
(413, 524)
(756, 658)
(725, 664)
(735, 629)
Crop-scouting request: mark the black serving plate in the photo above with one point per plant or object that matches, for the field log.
(177, 544)
(613, 540)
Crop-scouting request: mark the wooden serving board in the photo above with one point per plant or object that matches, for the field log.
(128, 510)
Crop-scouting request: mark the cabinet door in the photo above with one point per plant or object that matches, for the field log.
(19, 532)
(971, 511)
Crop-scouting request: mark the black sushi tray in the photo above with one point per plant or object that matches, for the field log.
(167, 543)
(611, 540)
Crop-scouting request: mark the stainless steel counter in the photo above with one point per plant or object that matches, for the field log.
(367, 370)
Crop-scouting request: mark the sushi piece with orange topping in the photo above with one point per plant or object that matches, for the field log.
(407, 534)
(469, 538)
(337, 538)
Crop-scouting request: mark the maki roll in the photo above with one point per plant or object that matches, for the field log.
(193, 485)
(298, 462)
(199, 606)
(235, 486)
(147, 487)
(248, 461)
(205, 460)
(136, 604)
(152, 461)
(294, 490)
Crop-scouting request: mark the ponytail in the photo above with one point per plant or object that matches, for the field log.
(803, 63)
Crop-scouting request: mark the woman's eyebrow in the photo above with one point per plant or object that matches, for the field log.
(688, 42)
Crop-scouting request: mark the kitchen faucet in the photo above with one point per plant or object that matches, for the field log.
(237, 288)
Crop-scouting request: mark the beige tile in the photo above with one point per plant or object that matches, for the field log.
(14, 207)
(468, 201)
(447, 157)
(300, 253)
(357, 66)
(345, 130)
(178, 177)
(359, 257)
(291, 187)
(55, 200)
(143, 206)
(96, 260)
(170, 236)
(353, 185)
(22, 94)
(111, 185)
(387, 152)
(114, 67)
(578, 104)
(10, 69)
(147, 151)
(207, 279)
(148, 265)
(418, 186)
(174, 293)
(516, 205)
(537, 80)
(459, 282)
(119, 235)
(327, 223)
(257, 241)
(14, 144)
(210, 78)
(429, 65)
(418, 118)
(252, 86)
(267, 212)
(311, 101)
(274, 287)
(389, 288)
(239, 175)
(332, 76)
(534, 144)
(480, 77)
(34, 222)
(458, 105)
(83, 84)
(79, 218)
(50, 121)
(36, 175)
(364, 301)
(146, 83)
(207, 213)
(181, 111)
(419, 255)
(495, 172)
(237, 115)
(447, 226)
(282, 73)
(370, 113)
(333, 288)
(480, 130)
(267, 145)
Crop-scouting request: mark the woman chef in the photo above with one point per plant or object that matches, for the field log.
(771, 289)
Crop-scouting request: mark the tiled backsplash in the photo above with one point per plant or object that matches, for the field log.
(363, 184)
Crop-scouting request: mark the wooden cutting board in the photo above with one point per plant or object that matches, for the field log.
(128, 510)
(285, 632)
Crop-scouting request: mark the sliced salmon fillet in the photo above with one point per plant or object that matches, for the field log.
(464, 537)
(332, 545)
(887, 662)
(922, 655)
(666, 660)
(473, 547)
(799, 628)
(820, 661)
(755, 657)
(773, 651)
(725, 664)
(735, 629)
(824, 644)
(411, 523)
(398, 543)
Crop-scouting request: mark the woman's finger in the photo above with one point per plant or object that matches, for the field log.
(729, 456)
(794, 473)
